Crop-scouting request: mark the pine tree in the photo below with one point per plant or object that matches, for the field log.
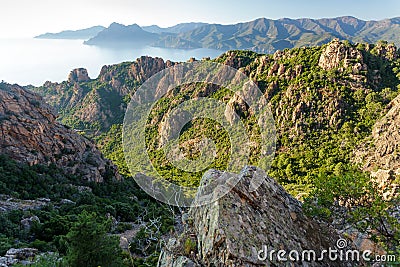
(90, 245)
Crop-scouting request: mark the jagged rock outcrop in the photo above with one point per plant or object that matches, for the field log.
(24, 256)
(102, 101)
(387, 51)
(139, 70)
(232, 230)
(232, 60)
(78, 75)
(383, 151)
(380, 154)
(336, 53)
(29, 133)
(8, 203)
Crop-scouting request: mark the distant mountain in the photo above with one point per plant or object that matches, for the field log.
(118, 34)
(266, 35)
(260, 35)
(153, 29)
(179, 28)
(83, 34)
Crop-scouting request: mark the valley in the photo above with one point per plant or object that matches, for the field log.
(335, 107)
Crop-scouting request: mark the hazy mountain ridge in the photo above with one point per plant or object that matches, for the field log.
(179, 28)
(260, 35)
(132, 34)
(267, 36)
(77, 34)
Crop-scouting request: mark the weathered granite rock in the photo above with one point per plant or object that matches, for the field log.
(388, 51)
(78, 75)
(380, 153)
(233, 230)
(25, 256)
(8, 203)
(28, 222)
(29, 133)
(336, 53)
(140, 70)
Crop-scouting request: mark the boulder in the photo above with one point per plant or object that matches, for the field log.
(235, 229)
(24, 256)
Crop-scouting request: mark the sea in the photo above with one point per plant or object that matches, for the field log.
(31, 61)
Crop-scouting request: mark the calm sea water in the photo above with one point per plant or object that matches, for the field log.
(34, 61)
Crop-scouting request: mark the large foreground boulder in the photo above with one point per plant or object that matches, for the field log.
(239, 228)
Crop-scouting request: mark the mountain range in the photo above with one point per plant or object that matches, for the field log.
(69, 34)
(260, 35)
(336, 112)
(336, 109)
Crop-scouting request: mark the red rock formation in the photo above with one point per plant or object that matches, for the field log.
(29, 133)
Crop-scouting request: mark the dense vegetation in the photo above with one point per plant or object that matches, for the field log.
(78, 216)
(353, 198)
(321, 116)
(332, 113)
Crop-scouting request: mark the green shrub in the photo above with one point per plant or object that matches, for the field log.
(189, 246)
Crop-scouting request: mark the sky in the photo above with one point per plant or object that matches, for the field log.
(27, 18)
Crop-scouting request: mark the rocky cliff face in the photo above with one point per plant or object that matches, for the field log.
(383, 149)
(100, 101)
(232, 230)
(78, 75)
(139, 70)
(380, 153)
(336, 53)
(29, 133)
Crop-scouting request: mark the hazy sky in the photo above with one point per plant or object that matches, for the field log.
(21, 18)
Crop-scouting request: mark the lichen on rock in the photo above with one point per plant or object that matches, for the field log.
(232, 230)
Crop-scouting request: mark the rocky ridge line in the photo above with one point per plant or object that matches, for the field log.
(29, 133)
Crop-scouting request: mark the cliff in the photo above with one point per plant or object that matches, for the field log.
(78, 75)
(324, 99)
(382, 148)
(94, 105)
(379, 154)
(30, 133)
